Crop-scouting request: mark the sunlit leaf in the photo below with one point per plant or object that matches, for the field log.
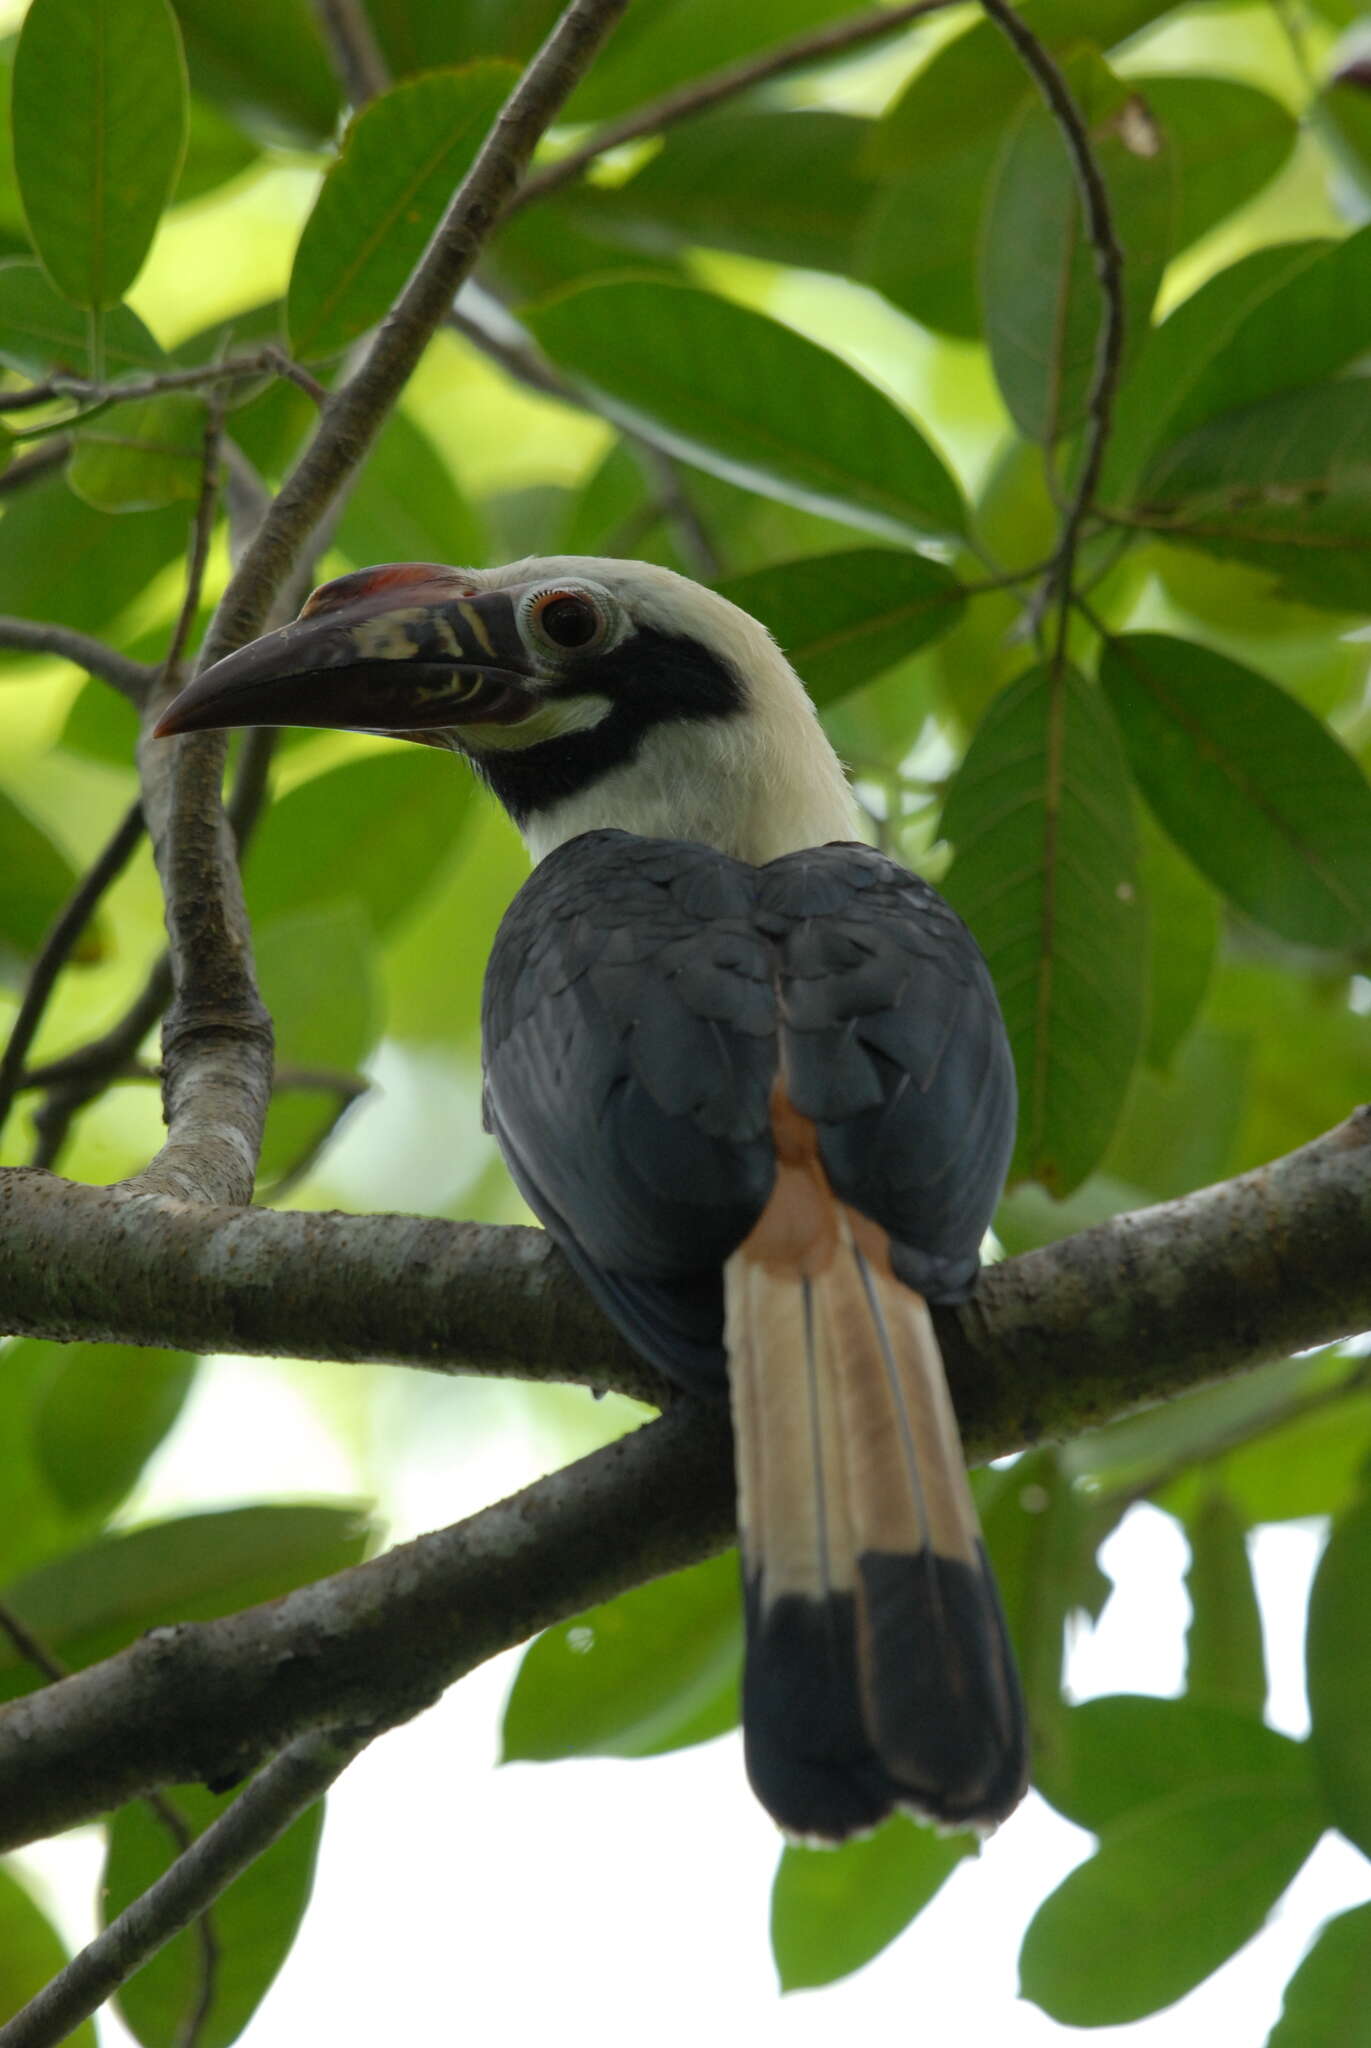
(845, 618)
(1326, 2001)
(103, 1412)
(95, 1600)
(373, 832)
(99, 132)
(751, 400)
(1039, 276)
(31, 1954)
(1174, 1889)
(833, 1909)
(1225, 1658)
(254, 1922)
(1045, 874)
(654, 1670)
(133, 458)
(1257, 791)
(402, 159)
(40, 331)
(1338, 1670)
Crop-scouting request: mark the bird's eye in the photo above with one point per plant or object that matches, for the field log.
(569, 621)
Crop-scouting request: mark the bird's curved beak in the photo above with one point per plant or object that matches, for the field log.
(408, 648)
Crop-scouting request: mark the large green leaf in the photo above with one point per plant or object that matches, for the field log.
(752, 401)
(99, 133)
(1313, 1465)
(96, 1600)
(1229, 140)
(317, 972)
(253, 1922)
(31, 1954)
(1225, 1657)
(1338, 1668)
(40, 331)
(406, 506)
(61, 560)
(103, 1412)
(1174, 1889)
(402, 159)
(845, 618)
(135, 457)
(36, 879)
(1039, 275)
(1284, 485)
(374, 832)
(1128, 1756)
(654, 1670)
(660, 44)
(1328, 2000)
(1184, 915)
(264, 63)
(216, 151)
(834, 1909)
(783, 186)
(1045, 874)
(1278, 319)
(1254, 788)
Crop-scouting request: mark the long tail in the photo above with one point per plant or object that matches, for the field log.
(879, 1672)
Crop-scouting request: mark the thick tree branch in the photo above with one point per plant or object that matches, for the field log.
(1127, 1313)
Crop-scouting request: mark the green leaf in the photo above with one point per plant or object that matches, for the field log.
(1229, 140)
(1275, 321)
(1039, 279)
(1173, 1890)
(845, 618)
(1128, 1756)
(216, 151)
(40, 331)
(373, 832)
(1184, 915)
(254, 1921)
(660, 44)
(264, 63)
(61, 560)
(402, 159)
(752, 401)
(1284, 485)
(31, 1954)
(833, 1909)
(99, 133)
(1328, 2000)
(102, 1414)
(1260, 795)
(1338, 1668)
(1225, 1659)
(406, 507)
(95, 1600)
(317, 972)
(1313, 1465)
(1045, 874)
(654, 1670)
(786, 187)
(135, 457)
(36, 879)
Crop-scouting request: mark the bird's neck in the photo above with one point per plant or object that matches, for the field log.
(755, 786)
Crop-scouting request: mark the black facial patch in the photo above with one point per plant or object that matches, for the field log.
(650, 679)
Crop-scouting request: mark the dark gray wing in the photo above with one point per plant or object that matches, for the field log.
(629, 1026)
(894, 1044)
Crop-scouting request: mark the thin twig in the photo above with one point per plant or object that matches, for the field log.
(27, 469)
(57, 946)
(258, 1817)
(1109, 260)
(703, 94)
(269, 360)
(41, 636)
(164, 1811)
(352, 45)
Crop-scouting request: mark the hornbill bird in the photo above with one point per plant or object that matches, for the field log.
(753, 1078)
